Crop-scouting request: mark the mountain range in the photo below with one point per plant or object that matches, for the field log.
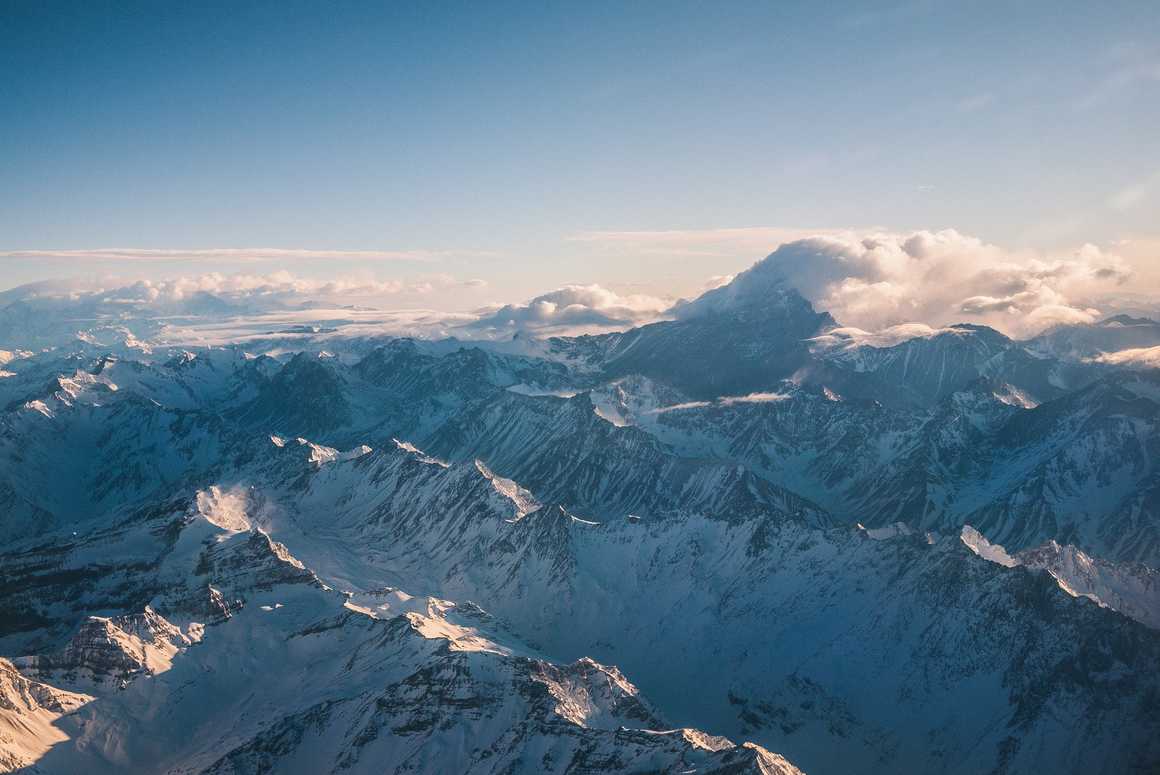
(742, 539)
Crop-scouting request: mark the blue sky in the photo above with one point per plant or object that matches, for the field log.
(536, 144)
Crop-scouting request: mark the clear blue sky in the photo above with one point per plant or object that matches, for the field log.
(490, 135)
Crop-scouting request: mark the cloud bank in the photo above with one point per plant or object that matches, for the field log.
(235, 254)
(573, 307)
(1143, 357)
(884, 280)
(881, 287)
(275, 288)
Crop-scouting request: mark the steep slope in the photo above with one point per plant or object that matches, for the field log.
(28, 711)
(565, 451)
(1084, 341)
(748, 344)
(1081, 470)
(849, 653)
(288, 675)
(1078, 469)
(685, 500)
(1130, 588)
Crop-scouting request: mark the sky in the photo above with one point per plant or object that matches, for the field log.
(459, 155)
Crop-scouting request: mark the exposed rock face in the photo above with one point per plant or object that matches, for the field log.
(405, 685)
(426, 557)
(114, 649)
(28, 710)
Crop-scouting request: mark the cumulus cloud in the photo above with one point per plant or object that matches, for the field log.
(215, 292)
(215, 308)
(877, 281)
(245, 286)
(572, 307)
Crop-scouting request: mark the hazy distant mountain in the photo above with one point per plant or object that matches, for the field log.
(1077, 342)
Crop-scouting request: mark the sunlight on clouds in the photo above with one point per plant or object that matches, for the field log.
(572, 306)
(1148, 357)
(237, 254)
(879, 280)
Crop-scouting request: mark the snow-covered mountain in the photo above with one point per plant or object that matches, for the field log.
(244, 661)
(1113, 334)
(315, 553)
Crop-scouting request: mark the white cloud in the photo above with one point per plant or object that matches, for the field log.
(271, 291)
(275, 284)
(975, 102)
(574, 306)
(879, 280)
(1133, 70)
(849, 337)
(755, 398)
(1148, 357)
(693, 242)
(1134, 194)
(751, 398)
(236, 254)
(680, 407)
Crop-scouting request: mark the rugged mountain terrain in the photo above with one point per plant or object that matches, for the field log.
(273, 670)
(319, 554)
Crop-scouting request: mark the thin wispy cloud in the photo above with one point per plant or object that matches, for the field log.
(684, 235)
(746, 240)
(1134, 194)
(1134, 70)
(238, 254)
(975, 102)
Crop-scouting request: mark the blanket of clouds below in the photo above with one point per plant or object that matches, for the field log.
(894, 285)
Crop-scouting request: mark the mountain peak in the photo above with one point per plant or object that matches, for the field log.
(759, 292)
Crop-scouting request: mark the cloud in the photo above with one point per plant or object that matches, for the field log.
(192, 294)
(276, 284)
(751, 398)
(879, 280)
(850, 338)
(574, 306)
(1135, 193)
(693, 242)
(718, 280)
(755, 398)
(1133, 70)
(975, 102)
(1147, 357)
(680, 407)
(215, 308)
(236, 254)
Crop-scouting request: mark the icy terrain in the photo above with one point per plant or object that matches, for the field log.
(319, 550)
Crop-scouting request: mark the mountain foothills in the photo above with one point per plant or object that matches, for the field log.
(742, 540)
